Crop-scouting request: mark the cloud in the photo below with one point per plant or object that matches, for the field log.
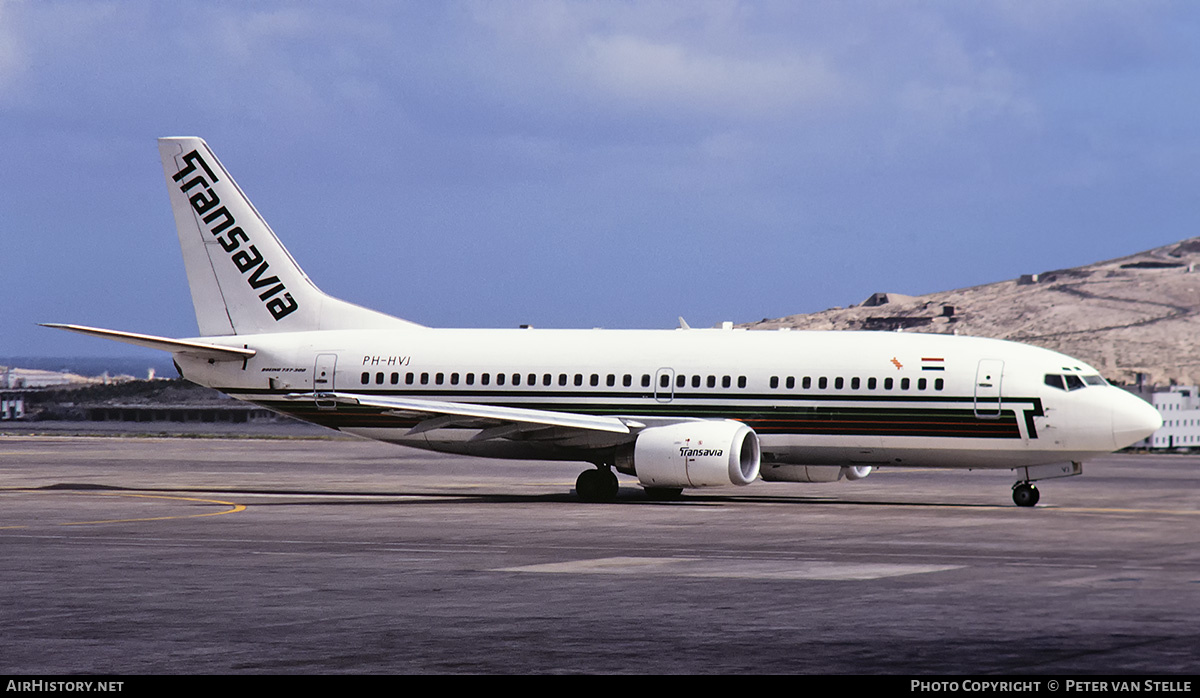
(33, 35)
(662, 60)
(14, 59)
(644, 71)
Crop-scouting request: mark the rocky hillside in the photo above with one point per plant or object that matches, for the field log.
(1136, 314)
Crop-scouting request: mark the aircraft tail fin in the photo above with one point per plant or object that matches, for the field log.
(243, 280)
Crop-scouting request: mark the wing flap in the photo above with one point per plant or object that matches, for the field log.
(496, 421)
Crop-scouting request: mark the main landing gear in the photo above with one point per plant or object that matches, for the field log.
(1025, 494)
(599, 485)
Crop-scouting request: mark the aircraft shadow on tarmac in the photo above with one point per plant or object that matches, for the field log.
(626, 496)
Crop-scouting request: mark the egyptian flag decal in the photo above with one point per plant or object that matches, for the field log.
(929, 363)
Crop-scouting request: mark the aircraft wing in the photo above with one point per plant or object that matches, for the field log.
(494, 421)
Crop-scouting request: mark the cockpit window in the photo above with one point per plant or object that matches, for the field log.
(1070, 381)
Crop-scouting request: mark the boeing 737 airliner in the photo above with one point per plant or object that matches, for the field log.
(674, 408)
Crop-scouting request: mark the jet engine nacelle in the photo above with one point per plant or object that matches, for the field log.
(814, 473)
(693, 454)
(856, 472)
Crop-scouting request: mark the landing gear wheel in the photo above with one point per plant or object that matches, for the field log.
(599, 485)
(1025, 494)
(663, 494)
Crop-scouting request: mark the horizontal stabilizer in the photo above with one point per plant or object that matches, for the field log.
(175, 346)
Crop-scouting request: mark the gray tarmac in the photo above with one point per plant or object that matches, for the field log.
(216, 555)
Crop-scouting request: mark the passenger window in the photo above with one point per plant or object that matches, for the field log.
(921, 383)
(531, 379)
(395, 379)
(547, 379)
(516, 379)
(791, 382)
(595, 379)
(888, 383)
(470, 379)
(379, 378)
(822, 382)
(665, 381)
(806, 383)
(425, 379)
(904, 384)
(439, 378)
(562, 379)
(774, 381)
(453, 379)
(627, 381)
(485, 379)
(712, 381)
(854, 383)
(838, 383)
(741, 381)
(366, 378)
(611, 381)
(408, 378)
(645, 380)
(680, 381)
(871, 384)
(938, 384)
(578, 379)
(725, 381)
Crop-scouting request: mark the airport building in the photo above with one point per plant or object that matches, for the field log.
(15, 378)
(1179, 406)
(12, 405)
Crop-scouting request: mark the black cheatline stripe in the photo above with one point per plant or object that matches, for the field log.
(486, 397)
(490, 398)
(941, 423)
(997, 429)
(706, 411)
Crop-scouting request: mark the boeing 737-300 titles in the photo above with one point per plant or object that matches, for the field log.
(676, 409)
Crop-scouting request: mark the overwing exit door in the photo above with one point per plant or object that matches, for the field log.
(664, 384)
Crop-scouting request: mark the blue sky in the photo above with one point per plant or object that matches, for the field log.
(582, 164)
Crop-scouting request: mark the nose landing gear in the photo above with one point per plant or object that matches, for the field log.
(1025, 494)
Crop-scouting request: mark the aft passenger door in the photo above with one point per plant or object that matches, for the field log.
(987, 388)
(323, 372)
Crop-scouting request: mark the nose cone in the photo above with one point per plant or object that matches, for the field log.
(1133, 419)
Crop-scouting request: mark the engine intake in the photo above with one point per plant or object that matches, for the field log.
(693, 454)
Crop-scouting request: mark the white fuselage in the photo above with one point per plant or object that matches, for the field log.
(677, 409)
(814, 398)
